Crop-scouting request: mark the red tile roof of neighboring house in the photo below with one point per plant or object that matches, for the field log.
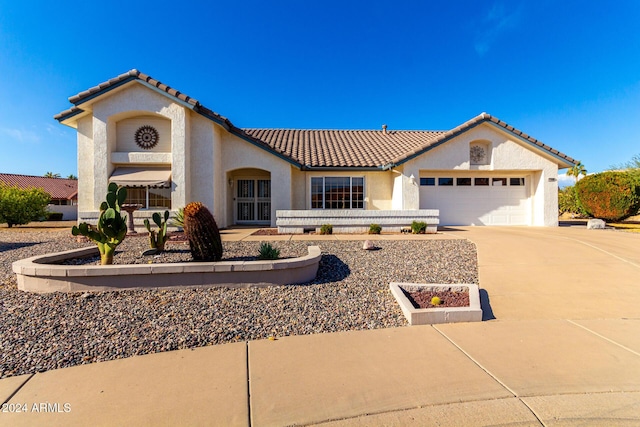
(379, 149)
(58, 188)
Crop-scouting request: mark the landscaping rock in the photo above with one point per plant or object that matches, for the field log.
(596, 224)
(41, 332)
(368, 245)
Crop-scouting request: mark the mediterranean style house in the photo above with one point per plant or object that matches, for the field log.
(169, 150)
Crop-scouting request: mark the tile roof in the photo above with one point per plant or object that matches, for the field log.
(321, 148)
(58, 188)
(343, 148)
(371, 148)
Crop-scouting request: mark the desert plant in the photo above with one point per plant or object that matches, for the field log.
(157, 239)
(436, 301)
(21, 206)
(568, 202)
(202, 232)
(610, 196)
(267, 251)
(178, 219)
(112, 227)
(375, 229)
(418, 227)
(326, 229)
(577, 170)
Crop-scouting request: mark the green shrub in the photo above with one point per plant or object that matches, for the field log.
(375, 229)
(268, 252)
(54, 216)
(326, 229)
(568, 202)
(610, 196)
(21, 206)
(418, 227)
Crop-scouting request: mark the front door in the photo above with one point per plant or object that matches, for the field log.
(253, 201)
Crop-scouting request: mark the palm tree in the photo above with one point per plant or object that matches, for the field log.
(577, 170)
(72, 176)
(51, 175)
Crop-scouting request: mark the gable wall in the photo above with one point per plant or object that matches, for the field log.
(507, 154)
(98, 139)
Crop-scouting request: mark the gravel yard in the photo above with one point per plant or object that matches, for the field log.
(351, 292)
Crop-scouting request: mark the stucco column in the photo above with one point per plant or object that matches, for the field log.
(280, 191)
(180, 144)
(86, 158)
(101, 161)
(410, 188)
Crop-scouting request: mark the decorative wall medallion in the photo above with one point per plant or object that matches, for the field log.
(147, 137)
(477, 154)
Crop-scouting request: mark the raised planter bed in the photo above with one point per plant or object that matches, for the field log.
(430, 316)
(45, 274)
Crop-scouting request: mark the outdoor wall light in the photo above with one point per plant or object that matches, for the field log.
(412, 179)
(230, 182)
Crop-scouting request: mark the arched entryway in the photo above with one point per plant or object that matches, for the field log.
(250, 202)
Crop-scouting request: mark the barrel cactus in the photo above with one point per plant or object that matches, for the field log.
(112, 227)
(202, 232)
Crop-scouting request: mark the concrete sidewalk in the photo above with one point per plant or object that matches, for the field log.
(563, 350)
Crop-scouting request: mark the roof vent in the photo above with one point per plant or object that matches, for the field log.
(384, 129)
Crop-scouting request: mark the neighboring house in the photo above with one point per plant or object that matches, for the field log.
(169, 150)
(63, 192)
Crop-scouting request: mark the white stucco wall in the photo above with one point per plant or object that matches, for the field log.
(99, 144)
(240, 154)
(378, 187)
(204, 150)
(86, 195)
(126, 130)
(507, 154)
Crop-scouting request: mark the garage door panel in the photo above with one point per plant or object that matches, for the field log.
(478, 205)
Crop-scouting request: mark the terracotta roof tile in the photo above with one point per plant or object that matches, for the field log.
(342, 148)
(58, 188)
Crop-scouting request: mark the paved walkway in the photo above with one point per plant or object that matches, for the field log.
(563, 350)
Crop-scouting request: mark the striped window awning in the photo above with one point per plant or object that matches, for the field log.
(142, 177)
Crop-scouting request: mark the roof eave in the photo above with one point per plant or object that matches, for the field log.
(309, 168)
(231, 128)
(563, 162)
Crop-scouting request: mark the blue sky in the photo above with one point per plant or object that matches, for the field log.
(567, 73)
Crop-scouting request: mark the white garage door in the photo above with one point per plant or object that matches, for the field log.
(477, 200)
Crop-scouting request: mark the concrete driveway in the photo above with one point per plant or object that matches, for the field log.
(557, 273)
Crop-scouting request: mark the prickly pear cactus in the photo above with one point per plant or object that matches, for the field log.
(157, 239)
(112, 226)
(202, 232)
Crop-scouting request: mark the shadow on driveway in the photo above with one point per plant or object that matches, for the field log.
(485, 304)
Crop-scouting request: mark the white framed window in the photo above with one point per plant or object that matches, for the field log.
(149, 197)
(337, 192)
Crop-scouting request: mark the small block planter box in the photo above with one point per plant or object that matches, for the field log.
(430, 316)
